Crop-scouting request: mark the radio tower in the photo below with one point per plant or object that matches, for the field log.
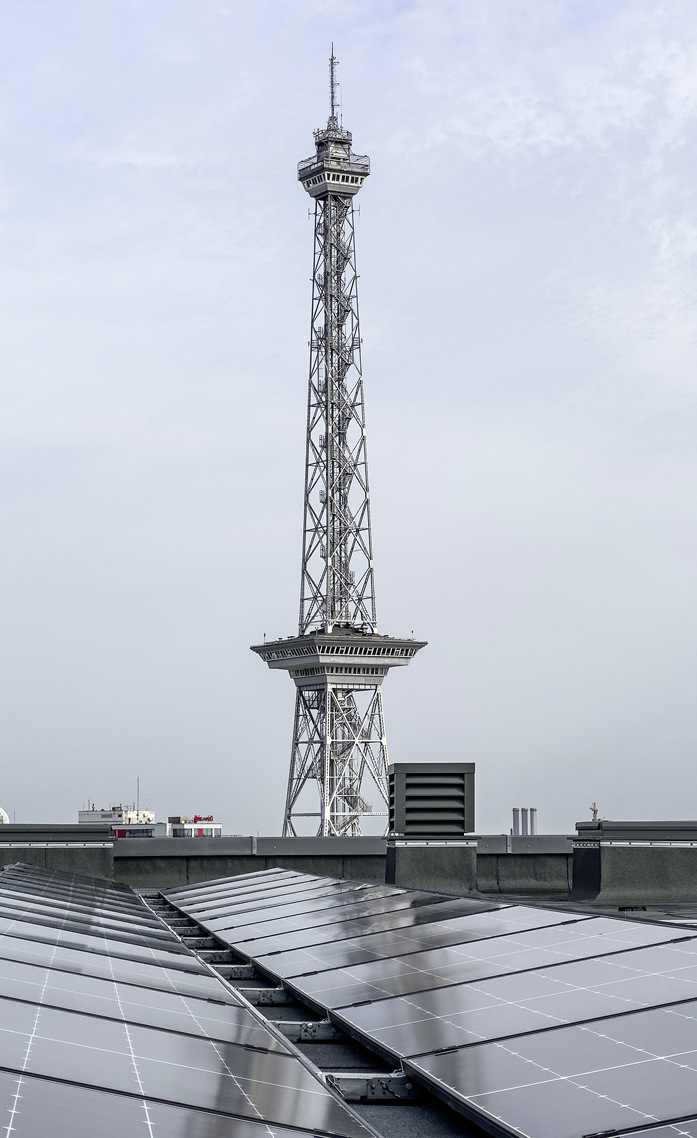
(337, 661)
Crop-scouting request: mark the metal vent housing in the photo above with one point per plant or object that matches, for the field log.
(431, 800)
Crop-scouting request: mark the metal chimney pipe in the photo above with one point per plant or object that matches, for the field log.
(524, 821)
(516, 821)
(533, 819)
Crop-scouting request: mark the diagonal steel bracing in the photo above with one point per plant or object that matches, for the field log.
(337, 584)
(338, 661)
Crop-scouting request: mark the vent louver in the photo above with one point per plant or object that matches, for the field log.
(431, 800)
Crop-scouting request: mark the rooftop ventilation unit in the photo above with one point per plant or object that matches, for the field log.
(431, 800)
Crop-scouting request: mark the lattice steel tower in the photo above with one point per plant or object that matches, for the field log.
(338, 661)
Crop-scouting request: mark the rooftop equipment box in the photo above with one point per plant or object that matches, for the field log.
(431, 800)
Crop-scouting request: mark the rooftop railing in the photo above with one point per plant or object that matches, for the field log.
(354, 160)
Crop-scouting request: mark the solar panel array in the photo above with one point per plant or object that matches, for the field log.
(110, 1026)
(531, 1021)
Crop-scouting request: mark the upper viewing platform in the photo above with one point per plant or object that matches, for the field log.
(333, 168)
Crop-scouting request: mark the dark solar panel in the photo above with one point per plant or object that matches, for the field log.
(189, 971)
(164, 953)
(532, 1021)
(527, 1001)
(92, 1043)
(250, 898)
(575, 1081)
(39, 1108)
(245, 884)
(490, 956)
(686, 1128)
(311, 920)
(80, 924)
(416, 972)
(436, 929)
(225, 1019)
(324, 899)
(398, 926)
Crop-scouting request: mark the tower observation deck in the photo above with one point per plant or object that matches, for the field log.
(338, 660)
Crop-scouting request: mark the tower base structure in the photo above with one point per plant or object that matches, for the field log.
(339, 739)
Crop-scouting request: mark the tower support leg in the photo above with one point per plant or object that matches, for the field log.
(338, 742)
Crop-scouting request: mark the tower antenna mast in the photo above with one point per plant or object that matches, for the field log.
(333, 85)
(338, 660)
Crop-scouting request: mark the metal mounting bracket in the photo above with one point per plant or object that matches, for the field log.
(263, 997)
(307, 1031)
(362, 1087)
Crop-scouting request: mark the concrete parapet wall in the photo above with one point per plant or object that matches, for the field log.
(531, 865)
(16, 833)
(613, 873)
(525, 873)
(318, 847)
(248, 847)
(164, 863)
(630, 873)
(524, 863)
(170, 872)
(535, 864)
(450, 867)
(92, 860)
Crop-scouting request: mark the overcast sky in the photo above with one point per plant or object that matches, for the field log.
(527, 245)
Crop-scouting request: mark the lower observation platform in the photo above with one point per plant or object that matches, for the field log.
(346, 657)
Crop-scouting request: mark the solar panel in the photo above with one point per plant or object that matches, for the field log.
(397, 926)
(151, 973)
(39, 1107)
(309, 914)
(511, 1005)
(308, 918)
(432, 928)
(531, 1021)
(435, 968)
(575, 1081)
(265, 880)
(686, 1128)
(224, 1021)
(92, 1042)
(324, 899)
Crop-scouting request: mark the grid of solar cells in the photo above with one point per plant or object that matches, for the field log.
(412, 972)
(319, 899)
(610, 1075)
(110, 1025)
(280, 926)
(533, 1021)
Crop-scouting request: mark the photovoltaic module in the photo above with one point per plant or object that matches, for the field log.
(531, 1021)
(110, 1026)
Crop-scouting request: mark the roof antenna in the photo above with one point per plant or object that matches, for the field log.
(333, 94)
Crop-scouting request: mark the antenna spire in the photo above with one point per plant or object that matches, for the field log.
(333, 87)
